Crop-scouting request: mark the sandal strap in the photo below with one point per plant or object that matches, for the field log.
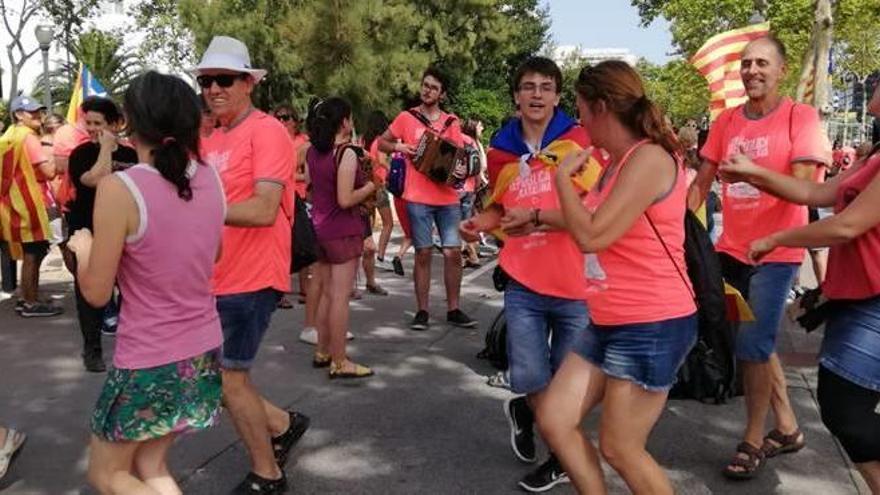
(749, 450)
(782, 439)
(749, 464)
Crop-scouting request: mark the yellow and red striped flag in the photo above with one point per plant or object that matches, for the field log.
(718, 61)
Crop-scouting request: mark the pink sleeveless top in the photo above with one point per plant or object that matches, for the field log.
(854, 266)
(634, 280)
(169, 313)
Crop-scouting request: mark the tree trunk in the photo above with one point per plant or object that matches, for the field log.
(815, 66)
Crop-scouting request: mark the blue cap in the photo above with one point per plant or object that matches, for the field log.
(25, 103)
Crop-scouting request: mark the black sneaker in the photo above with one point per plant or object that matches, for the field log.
(257, 485)
(420, 322)
(545, 477)
(522, 421)
(93, 362)
(282, 444)
(39, 309)
(19, 305)
(459, 319)
(397, 265)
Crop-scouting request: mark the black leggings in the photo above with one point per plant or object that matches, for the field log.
(850, 412)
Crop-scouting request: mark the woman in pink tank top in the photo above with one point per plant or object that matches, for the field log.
(157, 232)
(643, 321)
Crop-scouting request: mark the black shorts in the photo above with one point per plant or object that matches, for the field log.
(852, 414)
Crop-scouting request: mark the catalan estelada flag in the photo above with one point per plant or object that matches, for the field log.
(86, 85)
(718, 61)
(23, 216)
(509, 156)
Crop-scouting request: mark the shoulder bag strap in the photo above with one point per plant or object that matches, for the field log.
(669, 254)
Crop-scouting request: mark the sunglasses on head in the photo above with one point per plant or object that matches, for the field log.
(222, 80)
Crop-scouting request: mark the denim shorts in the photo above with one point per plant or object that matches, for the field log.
(245, 318)
(766, 288)
(541, 330)
(851, 347)
(647, 354)
(422, 219)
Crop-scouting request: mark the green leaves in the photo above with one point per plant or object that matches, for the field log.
(371, 51)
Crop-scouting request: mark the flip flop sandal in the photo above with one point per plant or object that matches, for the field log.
(11, 447)
(749, 465)
(359, 371)
(785, 444)
(377, 290)
(321, 360)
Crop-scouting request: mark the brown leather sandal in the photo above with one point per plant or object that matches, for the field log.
(749, 465)
(784, 444)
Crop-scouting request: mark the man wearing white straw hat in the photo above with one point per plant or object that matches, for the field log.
(254, 157)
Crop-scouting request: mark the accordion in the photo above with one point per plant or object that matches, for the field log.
(438, 159)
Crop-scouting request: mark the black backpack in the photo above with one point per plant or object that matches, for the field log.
(496, 343)
(709, 372)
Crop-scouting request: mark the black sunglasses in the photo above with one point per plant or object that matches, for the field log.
(284, 117)
(222, 80)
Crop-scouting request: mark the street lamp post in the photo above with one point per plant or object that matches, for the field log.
(45, 34)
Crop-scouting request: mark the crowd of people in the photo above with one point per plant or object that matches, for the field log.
(600, 200)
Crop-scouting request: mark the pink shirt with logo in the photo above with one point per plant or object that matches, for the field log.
(789, 134)
(257, 149)
(634, 280)
(419, 188)
(544, 262)
(165, 271)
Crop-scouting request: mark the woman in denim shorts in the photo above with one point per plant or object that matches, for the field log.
(643, 321)
(849, 363)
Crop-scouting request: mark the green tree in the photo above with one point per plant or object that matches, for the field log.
(105, 56)
(676, 87)
(370, 51)
(856, 27)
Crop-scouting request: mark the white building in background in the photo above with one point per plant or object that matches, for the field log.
(566, 53)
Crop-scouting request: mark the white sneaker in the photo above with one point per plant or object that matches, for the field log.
(309, 335)
(5, 295)
(384, 265)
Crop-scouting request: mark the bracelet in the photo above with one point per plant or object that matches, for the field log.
(536, 217)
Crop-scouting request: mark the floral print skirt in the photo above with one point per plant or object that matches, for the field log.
(144, 404)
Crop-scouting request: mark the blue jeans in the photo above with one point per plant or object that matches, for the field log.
(540, 332)
(647, 354)
(766, 288)
(851, 347)
(245, 318)
(422, 219)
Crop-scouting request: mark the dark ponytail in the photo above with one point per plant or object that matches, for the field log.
(620, 87)
(164, 112)
(324, 120)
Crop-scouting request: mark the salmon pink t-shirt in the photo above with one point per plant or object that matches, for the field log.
(544, 262)
(419, 188)
(789, 134)
(65, 139)
(258, 149)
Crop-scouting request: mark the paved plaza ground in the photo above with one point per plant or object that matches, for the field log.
(427, 423)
